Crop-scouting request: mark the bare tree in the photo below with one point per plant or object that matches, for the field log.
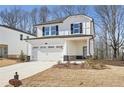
(11, 17)
(34, 19)
(34, 14)
(112, 21)
(68, 10)
(43, 14)
(81, 9)
(24, 22)
(57, 12)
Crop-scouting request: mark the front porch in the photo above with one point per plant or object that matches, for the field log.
(76, 49)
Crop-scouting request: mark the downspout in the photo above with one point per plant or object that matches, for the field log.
(89, 45)
(92, 38)
(27, 47)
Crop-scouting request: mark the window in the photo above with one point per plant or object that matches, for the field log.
(50, 46)
(46, 29)
(35, 47)
(27, 37)
(35, 30)
(76, 28)
(59, 47)
(21, 37)
(43, 47)
(53, 30)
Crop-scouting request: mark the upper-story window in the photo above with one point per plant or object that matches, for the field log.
(27, 37)
(21, 37)
(52, 30)
(76, 28)
(46, 31)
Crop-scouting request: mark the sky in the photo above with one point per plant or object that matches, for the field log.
(30, 7)
(25, 7)
(90, 11)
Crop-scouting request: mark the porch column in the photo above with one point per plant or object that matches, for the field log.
(88, 47)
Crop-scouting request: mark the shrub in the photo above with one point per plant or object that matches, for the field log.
(98, 66)
(22, 57)
(90, 64)
(59, 62)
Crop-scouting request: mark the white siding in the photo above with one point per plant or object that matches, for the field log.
(72, 46)
(12, 39)
(91, 47)
(39, 32)
(65, 27)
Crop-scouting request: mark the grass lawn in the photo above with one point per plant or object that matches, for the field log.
(61, 77)
(6, 62)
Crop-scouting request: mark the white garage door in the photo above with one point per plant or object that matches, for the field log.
(51, 56)
(35, 54)
(47, 54)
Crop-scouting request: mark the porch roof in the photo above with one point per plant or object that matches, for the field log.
(61, 36)
(3, 45)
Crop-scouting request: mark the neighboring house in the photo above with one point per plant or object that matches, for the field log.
(70, 38)
(12, 42)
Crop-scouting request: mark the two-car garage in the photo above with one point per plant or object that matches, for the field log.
(47, 50)
(47, 53)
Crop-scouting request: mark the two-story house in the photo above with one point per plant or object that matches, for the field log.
(12, 42)
(69, 38)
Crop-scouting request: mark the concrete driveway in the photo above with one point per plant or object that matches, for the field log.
(24, 70)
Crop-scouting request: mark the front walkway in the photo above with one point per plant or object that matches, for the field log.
(24, 70)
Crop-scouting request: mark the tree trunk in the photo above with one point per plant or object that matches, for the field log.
(115, 54)
(106, 51)
(106, 47)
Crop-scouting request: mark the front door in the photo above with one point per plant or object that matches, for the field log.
(85, 51)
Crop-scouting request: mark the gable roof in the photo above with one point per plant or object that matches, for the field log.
(16, 29)
(60, 20)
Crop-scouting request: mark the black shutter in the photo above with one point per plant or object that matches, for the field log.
(71, 28)
(57, 30)
(80, 27)
(43, 31)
